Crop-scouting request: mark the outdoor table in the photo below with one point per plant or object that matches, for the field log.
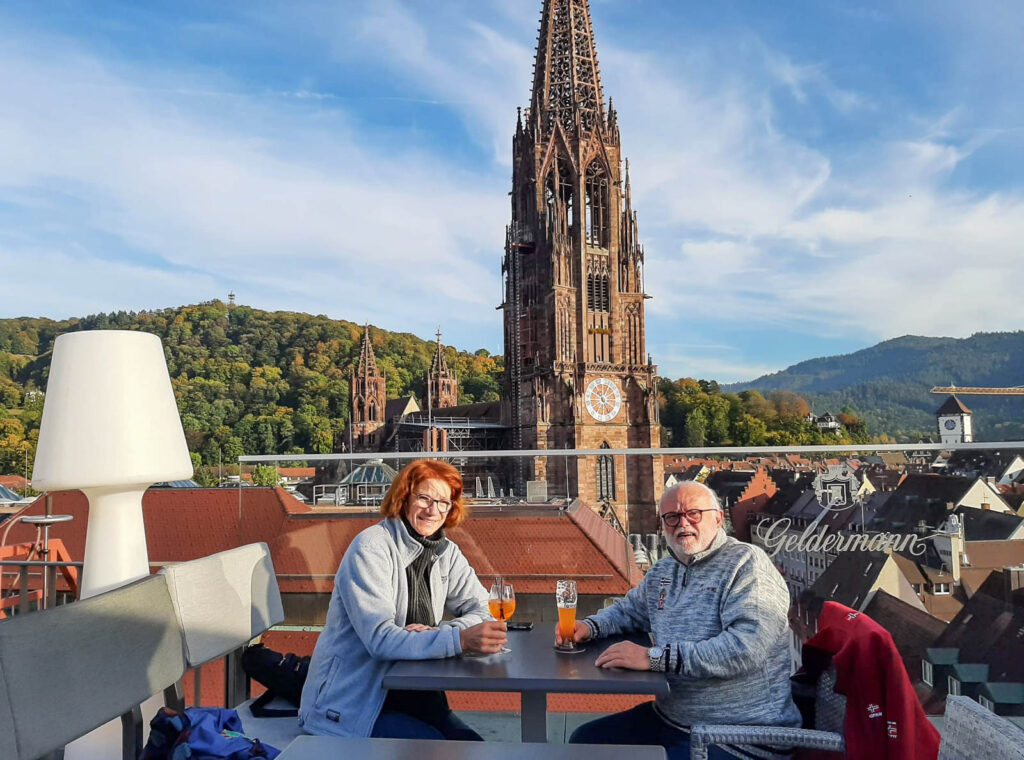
(319, 747)
(534, 669)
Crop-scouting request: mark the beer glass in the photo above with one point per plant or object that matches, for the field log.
(502, 603)
(565, 596)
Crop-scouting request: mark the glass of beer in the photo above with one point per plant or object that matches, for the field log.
(502, 603)
(565, 596)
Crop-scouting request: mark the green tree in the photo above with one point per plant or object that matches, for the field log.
(264, 475)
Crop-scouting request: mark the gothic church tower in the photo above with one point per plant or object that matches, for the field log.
(577, 371)
(367, 397)
(442, 383)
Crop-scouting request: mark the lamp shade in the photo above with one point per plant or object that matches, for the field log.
(109, 418)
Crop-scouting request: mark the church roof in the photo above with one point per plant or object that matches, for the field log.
(399, 407)
(953, 405)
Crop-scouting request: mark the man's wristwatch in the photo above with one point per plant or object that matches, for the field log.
(656, 656)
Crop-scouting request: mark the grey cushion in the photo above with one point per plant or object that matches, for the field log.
(224, 600)
(69, 669)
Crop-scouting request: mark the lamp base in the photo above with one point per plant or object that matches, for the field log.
(115, 541)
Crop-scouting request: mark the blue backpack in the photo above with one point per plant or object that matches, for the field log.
(202, 733)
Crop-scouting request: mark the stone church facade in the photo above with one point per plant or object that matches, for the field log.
(577, 372)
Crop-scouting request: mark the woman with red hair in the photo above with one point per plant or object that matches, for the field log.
(391, 591)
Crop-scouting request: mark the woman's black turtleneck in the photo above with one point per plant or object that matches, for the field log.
(421, 608)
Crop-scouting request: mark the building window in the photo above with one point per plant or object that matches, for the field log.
(940, 589)
(605, 476)
(927, 673)
(954, 686)
(987, 703)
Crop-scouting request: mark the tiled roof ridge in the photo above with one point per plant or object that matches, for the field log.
(579, 508)
(289, 504)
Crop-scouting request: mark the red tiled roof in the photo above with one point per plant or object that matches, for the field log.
(307, 546)
(296, 472)
(14, 482)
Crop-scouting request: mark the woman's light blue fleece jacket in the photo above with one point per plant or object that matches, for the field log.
(365, 632)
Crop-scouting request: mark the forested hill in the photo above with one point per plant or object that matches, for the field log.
(887, 385)
(247, 381)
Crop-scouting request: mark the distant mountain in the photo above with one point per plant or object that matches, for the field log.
(887, 385)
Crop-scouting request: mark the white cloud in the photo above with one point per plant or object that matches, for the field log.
(283, 192)
(283, 203)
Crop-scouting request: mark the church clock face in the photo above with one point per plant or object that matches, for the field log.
(950, 424)
(602, 399)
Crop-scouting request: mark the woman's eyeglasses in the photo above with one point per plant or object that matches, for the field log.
(442, 505)
(672, 519)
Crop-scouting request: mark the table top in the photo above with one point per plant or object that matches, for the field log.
(532, 665)
(319, 747)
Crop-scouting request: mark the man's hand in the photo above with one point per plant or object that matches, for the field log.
(418, 627)
(626, 655)
(487, 637)
(579, 634)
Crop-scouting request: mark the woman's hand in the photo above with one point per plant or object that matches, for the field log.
(626, 655)
(579, 634)
(418, 627)
(487, 637)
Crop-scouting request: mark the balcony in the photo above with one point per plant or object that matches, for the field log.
(554, 522)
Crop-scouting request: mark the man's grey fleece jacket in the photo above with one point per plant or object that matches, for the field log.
(723, 620)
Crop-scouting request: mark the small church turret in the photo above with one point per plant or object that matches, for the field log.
(367, 398)
(443, 384)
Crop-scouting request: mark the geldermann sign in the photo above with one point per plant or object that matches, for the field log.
(816, 538)
(836, 491)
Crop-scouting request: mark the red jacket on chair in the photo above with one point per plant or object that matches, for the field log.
(883, 717)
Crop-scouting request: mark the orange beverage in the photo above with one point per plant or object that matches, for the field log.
(566, 623)
(508, 606)
(503, 609)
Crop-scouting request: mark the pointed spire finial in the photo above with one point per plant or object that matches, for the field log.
(367, 360)
(567, 80)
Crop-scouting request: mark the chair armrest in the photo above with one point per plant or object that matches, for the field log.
(703, 736)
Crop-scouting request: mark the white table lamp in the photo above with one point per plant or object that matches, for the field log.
(111, 428)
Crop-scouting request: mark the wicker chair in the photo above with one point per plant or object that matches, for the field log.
(971, 732)
(827, 734)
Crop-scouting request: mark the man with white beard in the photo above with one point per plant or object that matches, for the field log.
(716, 609)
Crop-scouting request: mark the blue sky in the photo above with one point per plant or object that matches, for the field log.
(811, 177)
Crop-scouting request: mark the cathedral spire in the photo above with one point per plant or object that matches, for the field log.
(566, 78)
(439, 366)
(443, 385)
(367, 360)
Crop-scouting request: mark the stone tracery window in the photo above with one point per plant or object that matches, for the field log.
(597, 205)
(605, 475)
